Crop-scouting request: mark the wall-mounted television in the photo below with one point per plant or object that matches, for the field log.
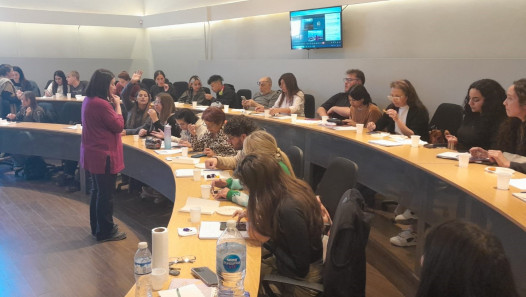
(316, 28)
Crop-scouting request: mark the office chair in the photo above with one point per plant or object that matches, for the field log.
(448, 116)
(50, 116)
(47, 84)
(310, 110)
(338, 178)
(35, 88)
(147, 83)
(295, 155)
(244, 92)
(344, 271)
(180, 87)
(70, 113)
(207, 90)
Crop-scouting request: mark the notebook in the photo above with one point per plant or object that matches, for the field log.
(207, 206)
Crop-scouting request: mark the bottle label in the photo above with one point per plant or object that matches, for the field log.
(232, 263)
(143, 268)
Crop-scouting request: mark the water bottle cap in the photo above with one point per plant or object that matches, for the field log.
(231, 224)
(143, 245)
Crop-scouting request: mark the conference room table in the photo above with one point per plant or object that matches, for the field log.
(437, 189)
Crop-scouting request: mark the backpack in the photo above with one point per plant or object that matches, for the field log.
(35, 168)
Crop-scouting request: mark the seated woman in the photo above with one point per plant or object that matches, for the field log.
(461, 259)
(285, 217)
(363, 110)
(262, 143)
(124, 80)
(483, 113)
(214, 141)
(511, 140)
(30, 111)
(406, 115)
(137, 109)
(59, 84)
(161, 85)
(291, 100)
(22, 84)
(187, 120)
(195, 92)
(8, 95)
(163, 113)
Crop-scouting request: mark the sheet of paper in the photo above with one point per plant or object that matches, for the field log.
(383, 142)
(448, 155)
(183, 160)
(342, 128)
(184, 291)
(282, 117)
(519, 183)
(208, 206)
(181, 282)
(168, 152)
(308, 122)
(212, 230)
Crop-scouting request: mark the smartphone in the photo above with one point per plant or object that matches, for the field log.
(198, 155)
(206, 275)
(241, 226)
(243, 98)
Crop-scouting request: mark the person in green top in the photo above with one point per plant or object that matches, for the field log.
(263, 143)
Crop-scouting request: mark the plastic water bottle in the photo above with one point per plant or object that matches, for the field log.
(231, 261)
(167, 136)
(143, 271)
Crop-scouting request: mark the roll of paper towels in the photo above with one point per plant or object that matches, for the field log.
(160, 248)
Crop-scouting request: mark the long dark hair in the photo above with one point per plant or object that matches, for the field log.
(461, 259)
(292, 87)
(23, 82)
(99, 84)
(136, 115)
(512, 133)
(187, 115)
(267, 196)
(54, 87)
(29, 95)
(167, 102)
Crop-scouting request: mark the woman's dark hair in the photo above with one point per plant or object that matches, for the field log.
(359, 92)
(29, 95)
(167, 102)
(5, 69)
(214, 115)
(134, 116)
(156, 73)
(267, 196)
(23, 82)
(99, 84)
(494, 96)
(187, 116)
(509, 137)
(461, 259)
(292, 87)
(410, 92)
(54, 85)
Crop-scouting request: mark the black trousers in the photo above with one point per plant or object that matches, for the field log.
(101, 204)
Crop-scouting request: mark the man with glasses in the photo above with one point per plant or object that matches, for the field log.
(265, 97)
(338, 106)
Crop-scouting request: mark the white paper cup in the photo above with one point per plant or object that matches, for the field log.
(143, 142)
(267, 113)
(225, 108)
(135, 138)
(58, 95)
(78, 126)
(324, 119)
(293, 118)
(503, 180)
(184, 151)
(78, 97)
(69, 95)
(415, 140)
(463, 160)
(205, 191)
(195, 214)
(197, 174)
(194, 104)
(359, 128)
(159, 277)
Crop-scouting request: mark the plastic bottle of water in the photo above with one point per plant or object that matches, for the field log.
(143, 271)
(231, 261)
(167, 136)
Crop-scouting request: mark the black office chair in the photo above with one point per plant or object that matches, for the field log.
(180, 87)
(244, 92)
(344, 271)
(237, 100)
(338, 178)
(295, 155)
(147, 83)
(70, 113)
(207, 90)
(448, 116)
(310, 110)
(50, 116)
(35, 88)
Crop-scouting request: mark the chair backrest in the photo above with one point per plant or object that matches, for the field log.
(35, 88)
(147, 83)
(309, 106)
(295, 155)
(448, 116)
(344, 270)
(180, 87)
(244, 92)
(237, 101)
(50, 116)
(207, 90)
(47, 84)
(338, 178)
(71, 113)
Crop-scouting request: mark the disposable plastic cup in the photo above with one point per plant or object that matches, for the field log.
(195, 214)
(293, 118)
(359, 128)
(463, 160)
(58, 95)
(225, 108)
(194, 104)
(205, 191)
(197, 174)
(184, 151)
(159, 277)
(135, 138)
(267, 113)
(69, 95)
(324, 119)
(415, 140)
(503, 179)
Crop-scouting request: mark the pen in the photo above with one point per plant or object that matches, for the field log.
(178, 294)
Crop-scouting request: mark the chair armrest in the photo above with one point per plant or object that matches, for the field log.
(275, 278)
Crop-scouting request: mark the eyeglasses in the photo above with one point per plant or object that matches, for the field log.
(347, 79)
(156, 102)
(261, 82)
(391, 98)
(183, 259)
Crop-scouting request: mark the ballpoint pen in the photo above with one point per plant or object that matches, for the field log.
(178, 293)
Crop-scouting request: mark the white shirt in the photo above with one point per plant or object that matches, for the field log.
(402, 116)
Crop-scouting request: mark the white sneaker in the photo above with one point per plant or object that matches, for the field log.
(404, 238)
(406, 218)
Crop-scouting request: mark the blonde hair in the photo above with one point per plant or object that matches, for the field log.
(263, 143)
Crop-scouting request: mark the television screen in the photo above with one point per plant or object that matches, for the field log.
(316, 28)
